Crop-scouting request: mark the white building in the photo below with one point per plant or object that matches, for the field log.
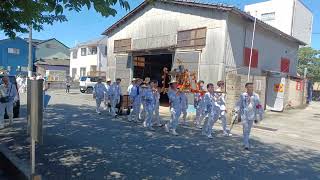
(289, 16)
(88, 58)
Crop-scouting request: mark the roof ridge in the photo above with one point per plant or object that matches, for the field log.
(193, 3)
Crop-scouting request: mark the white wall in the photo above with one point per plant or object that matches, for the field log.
(302, 23)
(157, 25)
(99, 59)
(291, 17)
(102, 54)
(82, 61)
(271, 48)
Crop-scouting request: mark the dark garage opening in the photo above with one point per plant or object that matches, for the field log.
(152, 66)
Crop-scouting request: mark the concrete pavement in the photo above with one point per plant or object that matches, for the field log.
(79, 144)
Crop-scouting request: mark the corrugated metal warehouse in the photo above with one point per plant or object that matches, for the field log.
(212, 40)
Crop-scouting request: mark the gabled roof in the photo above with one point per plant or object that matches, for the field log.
(37, 42)
(92, 42)
(58, 55)
(53, 62)
(34, 41)
(221, 7)
(8, 39)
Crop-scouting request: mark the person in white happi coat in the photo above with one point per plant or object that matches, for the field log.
(99, 91)
(148, 101)
(115, 96)
(199, 104)
(156, 94)
(184, 107)
(212, 110)
(220, 102)
(19, 83)
(8, 94)
(142, 112)
(250, 111)
(133, 83)
(175, 108)
(107, 95)
(133, 93)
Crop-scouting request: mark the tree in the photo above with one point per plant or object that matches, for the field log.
(309, 58)
(17, 15)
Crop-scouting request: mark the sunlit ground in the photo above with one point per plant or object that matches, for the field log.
(79, 144)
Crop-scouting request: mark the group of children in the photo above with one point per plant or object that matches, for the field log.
(209, 104)
(108, 93)
(144, 97)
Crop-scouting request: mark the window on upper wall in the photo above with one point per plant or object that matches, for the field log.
(82, 71)
(139, 67)
(15, 51)
(285, 65)
(92, 50)
(83, 51)
(193, 38)
(74, 72)
(268, 16)
(93, 68)
(106, 50)
(51, 46)
(75, 54)
(254, 59)
(122, 45)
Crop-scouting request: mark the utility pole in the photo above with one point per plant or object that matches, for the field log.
(252, 43)
(30, 62)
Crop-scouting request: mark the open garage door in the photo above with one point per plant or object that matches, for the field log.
(123, 70)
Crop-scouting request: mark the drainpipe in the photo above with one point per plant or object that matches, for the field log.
(30, 62)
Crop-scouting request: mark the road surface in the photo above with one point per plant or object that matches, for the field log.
(79, 144)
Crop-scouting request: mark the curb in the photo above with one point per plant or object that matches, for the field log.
(14, 165)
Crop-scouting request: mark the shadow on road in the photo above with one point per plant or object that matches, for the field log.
(80, 144)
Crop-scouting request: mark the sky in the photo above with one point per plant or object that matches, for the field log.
(88, 24)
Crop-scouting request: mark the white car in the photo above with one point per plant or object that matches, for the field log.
(87, 83)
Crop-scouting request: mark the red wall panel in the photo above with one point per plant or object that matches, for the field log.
(255, 57)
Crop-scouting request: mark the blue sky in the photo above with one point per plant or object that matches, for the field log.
(88, 24)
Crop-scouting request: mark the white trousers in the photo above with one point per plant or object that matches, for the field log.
(135, 110)
(142, 110)
(175, 115)
(3, 107)
(247, 125)
(223, 119)
(107, 102)
(98, 104)
(156, 114)
(200, 114)
(114, 103)
(148, 115)
(184, 114)
(208, 124)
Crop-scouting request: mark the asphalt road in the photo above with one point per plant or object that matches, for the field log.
(79, 144)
